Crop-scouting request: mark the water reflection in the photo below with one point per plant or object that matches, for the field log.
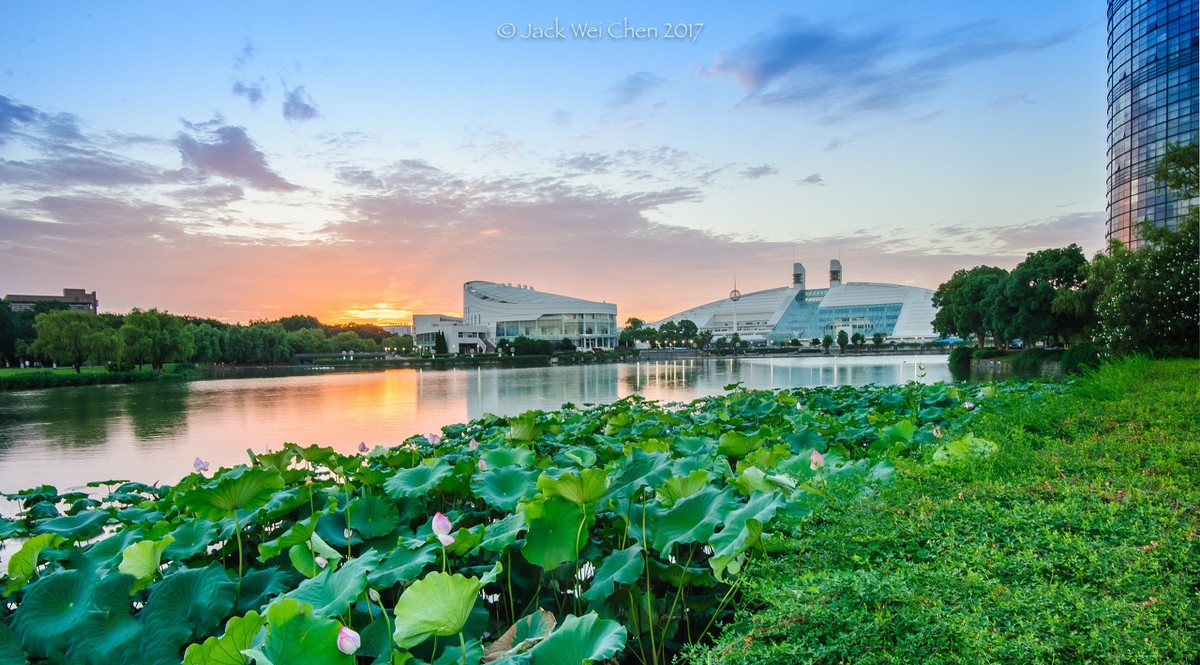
(151, 432)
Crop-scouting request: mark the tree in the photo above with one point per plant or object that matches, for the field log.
(155, 337)
(1033, 286)
(74, 338)
(704, 338)
(688, 329)
(842, 340)
(297, 322)
(629, 334)
(877, 340)
(8, 335)
(736, 342)
(206, 341)
(827, 342)
(309, 340)
(1179, 170)
(439, 343)
(961, 302)
(858, 339)
(565, 344)
(1151, 300)
(400, 344)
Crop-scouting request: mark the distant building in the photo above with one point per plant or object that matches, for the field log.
(77, 299)
(1152, 101)
(506, 312)
(399, 330)
(459, 338)
(899, 313)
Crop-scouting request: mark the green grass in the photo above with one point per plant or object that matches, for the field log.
(1078, 542)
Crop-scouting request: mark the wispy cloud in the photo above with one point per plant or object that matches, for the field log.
(225, 150)
(812, 179)
(761, 171)
(634, 87)
(298, 105)
(834, 74)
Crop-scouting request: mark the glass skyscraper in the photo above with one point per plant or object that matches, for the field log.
(1152, 72)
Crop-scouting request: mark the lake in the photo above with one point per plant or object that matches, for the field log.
(151, 432)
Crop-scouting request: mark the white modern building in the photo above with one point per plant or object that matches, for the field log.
(460, 338)
(507, 311)
(899, 313)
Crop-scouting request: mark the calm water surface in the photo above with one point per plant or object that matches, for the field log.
(152, 432)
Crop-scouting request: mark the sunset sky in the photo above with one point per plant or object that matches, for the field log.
(361, 160)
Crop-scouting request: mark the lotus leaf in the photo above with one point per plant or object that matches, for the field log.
(372, 516)
(620, 567)
(557, 531)
(10, 647)
(521, 636)
(524, 428)
(23, 565)
(191, 538)
(295, 635)
(227, 649)
(53, 608)
(504, 487)
(403, 565)
(692, 519)
(75, 528)
(498, 458)
(581, 640)
(331, 592)
(437, 604)
(417, 481)
(243, 488)
(142, 560)
(582, 489)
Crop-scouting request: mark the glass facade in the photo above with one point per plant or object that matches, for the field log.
(1152, 101)
(585, 330)
(806, 318)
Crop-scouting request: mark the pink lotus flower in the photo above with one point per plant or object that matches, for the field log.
(937, 431)
(441, 528)
(473, 444)
(434, 439)
(321, 561)
(482, 465)
(348, 641)
(968, 405)
(362, 447)
(200, 465)
(816, 460)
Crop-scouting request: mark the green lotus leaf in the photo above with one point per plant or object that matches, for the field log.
(437, 604)
(259, 587)
(42, 511)
(621, 567)
(524, 428)
(581, 641)
(332, 592)
(521, 636)
(303, 560)
(75, 528)
(315, 454)
(191, 538)
(373, 516)
(297, 534)
(558, 529)
(142, 560)
(963, 450)
(692, 446)
(243, 488)
(10, 647)
(578, 456)
(285, 501)
(417, 481)
(53, 608)
(186, 603)
(901, 432)
(227, 649)
(11, 529)
(498, 458)
(110, 633)
(582, 489)
(295, 635)
(692, 519)
(751, 479)
(403, 565)
(680, 487)
(23, 565)
(742, 528)
(639, 469)
(502, 533)
(144, 515)
(106, 554)
(739, 444)
(504, 487)
(82, 504)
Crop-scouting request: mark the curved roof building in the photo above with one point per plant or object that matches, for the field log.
(796, 312)
(510, 311)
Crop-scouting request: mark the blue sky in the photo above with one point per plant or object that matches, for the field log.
(362, 160)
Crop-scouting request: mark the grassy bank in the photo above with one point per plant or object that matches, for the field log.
(1076, 542)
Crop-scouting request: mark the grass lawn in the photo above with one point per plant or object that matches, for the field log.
(16, 371)
(1077, 542)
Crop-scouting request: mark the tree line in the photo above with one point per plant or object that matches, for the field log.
(52, 333)
(1143, 300)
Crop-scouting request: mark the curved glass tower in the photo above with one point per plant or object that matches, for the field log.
(1152, 71)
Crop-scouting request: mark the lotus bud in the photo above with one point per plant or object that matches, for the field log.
(348, 641)
(473, 444)
(816, 460)
(321, 562)
(482, 465)
(434, 439)
(441, 528)
(362, 447)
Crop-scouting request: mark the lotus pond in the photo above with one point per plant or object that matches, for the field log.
(616, 532)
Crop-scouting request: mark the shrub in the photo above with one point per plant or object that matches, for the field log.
(960, 356)
(984, 354)
(1080, 356)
